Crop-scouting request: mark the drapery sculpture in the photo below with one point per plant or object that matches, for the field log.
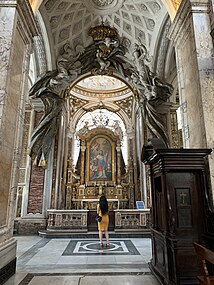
(107, 55)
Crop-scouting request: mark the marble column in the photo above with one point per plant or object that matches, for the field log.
(118, 149)
(82, 170)
(190, 33)
(17, 28)
(58, 197)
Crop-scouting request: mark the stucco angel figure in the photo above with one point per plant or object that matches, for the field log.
(148, 84)
(68, 64)
(105, 51)
(140, 56)
(84, 130)
(117, 129)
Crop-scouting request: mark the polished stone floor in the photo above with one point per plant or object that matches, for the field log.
(64, 261)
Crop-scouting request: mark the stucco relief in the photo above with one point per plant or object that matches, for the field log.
(4, 53)
(104, 7)
(102, 3)
(132, 20)
(5, 39)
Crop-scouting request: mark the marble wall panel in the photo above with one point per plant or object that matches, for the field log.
(205, 57)
(7, 17)
(8, 126)
(36, 189)
(188, 73)
(195, 64)
(35, 198)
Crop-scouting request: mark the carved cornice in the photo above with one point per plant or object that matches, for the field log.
(183, 16)
(101, 93)
(27, 17)
(99, 131)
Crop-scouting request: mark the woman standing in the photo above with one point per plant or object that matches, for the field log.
(102, 210)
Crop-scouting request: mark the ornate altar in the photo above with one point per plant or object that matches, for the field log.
(99, 169)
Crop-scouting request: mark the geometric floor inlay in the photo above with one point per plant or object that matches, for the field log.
(83, 247)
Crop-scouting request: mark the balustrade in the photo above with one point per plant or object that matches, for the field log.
(131, 219)
(67, 220)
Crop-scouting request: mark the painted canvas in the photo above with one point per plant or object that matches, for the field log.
(100, 159)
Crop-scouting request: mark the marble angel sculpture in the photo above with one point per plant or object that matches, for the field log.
(50, 88)
(44, 133)
(68, 64)
(150, 92)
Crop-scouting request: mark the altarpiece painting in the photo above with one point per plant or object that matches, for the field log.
(100, 159)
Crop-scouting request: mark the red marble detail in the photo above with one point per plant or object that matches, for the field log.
(35, 198)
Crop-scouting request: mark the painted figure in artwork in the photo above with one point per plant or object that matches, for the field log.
(101, 165)
(100, 160)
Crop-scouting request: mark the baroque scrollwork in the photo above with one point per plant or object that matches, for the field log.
(105, 55)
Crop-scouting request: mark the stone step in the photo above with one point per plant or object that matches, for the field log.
(94, 234)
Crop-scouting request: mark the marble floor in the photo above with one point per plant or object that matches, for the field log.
(63, 261)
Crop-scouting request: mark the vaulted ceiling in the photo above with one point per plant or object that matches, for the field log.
(70, 20)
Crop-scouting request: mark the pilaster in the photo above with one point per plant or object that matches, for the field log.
(190, 33)
(17, 28)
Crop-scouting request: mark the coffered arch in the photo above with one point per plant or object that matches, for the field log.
(70, 21)
(171, 6)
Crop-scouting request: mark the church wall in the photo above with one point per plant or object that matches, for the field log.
(8, 110)
(35, 195)
(14, 64)
(11, 118)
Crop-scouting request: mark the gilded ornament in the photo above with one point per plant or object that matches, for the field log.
(101, 32)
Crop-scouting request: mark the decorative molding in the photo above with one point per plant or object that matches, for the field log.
(126, 105)
(104, 7)
(27, 17)
(100, 93)
(75, 104)
(162, 50)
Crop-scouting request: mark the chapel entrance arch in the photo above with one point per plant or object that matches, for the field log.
(105, 57)
(102, 131)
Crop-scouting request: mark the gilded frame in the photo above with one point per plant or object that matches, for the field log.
(100, 164)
